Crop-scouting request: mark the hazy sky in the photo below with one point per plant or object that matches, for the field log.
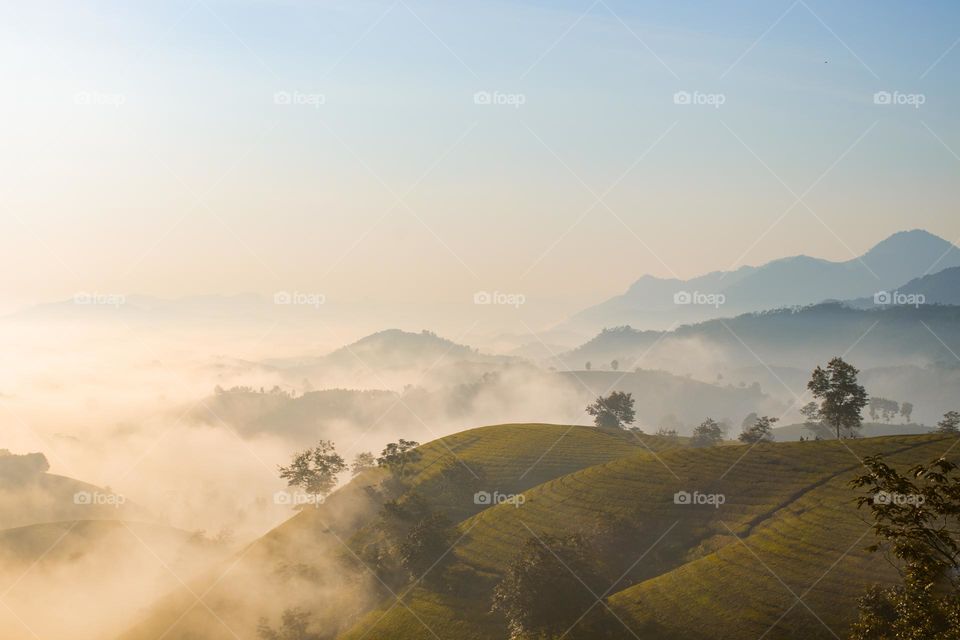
(184, 147)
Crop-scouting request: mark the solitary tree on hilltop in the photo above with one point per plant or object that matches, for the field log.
(841, 397)
(616, 410)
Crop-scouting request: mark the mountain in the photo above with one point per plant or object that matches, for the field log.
(386, 359)
(942, 287)
(792, 281)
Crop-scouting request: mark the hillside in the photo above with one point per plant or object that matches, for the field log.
(780, 501)
(30, 495)
(779, 498)
(505, 458)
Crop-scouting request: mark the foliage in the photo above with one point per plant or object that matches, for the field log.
(906, 410)
(398, 456)
(315, 470)
(841, 397)
(950, 422)
(418, 540)
(614, 411)
(760, 431)
(915, 514)
(361, 462)
(294, 625)
(915, 518)
(707, 434)
(881, 407)
(548, 590)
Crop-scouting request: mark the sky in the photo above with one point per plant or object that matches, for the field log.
(413, 152)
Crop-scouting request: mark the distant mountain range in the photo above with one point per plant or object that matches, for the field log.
(904, 257)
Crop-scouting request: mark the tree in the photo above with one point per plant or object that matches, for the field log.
(749, 421)
(915, 519)
(361, 462)
(315, 470)
(548, 587)
(616, 410)
(398, 456)
(294, 625)
(762, 430)
(906, 410)
(615, 365)
(707, 434)
(588, 366)
(841, 397)
(950, 423)
(418, 540)
(882, 408)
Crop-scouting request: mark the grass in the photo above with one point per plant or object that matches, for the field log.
(788, 503)
(788, 528)
(508, 458)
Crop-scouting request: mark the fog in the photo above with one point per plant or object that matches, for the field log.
(184, 428)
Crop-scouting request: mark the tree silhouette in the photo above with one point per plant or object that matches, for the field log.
(841, 397)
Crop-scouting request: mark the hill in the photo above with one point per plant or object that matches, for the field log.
(307, 559)
(29, 495)
(779, 499)
(687, 568)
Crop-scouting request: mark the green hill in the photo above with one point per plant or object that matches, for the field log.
(787, 527)
(787, 503)
(503, 458)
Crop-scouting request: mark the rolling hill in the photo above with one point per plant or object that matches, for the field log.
(786, 506)
(506, 458)
(700, 567)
